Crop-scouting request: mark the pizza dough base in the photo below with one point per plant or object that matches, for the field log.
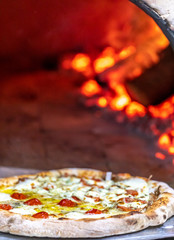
(156, 214)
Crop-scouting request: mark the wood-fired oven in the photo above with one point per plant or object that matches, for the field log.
(87, 84)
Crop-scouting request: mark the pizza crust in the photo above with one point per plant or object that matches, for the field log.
(156, 214)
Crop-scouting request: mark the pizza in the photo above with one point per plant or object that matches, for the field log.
(74, 203)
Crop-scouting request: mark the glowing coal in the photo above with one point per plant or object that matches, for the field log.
(112, 68)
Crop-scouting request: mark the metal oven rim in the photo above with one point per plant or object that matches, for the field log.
(163, 22)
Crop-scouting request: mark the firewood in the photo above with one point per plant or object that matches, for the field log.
(155, 84)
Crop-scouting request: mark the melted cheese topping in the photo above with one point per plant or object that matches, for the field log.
(108, 197)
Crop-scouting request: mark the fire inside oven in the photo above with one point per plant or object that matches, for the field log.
(120, 59)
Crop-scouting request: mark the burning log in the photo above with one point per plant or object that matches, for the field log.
(155, 84)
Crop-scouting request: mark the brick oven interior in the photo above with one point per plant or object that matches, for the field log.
(44, 120)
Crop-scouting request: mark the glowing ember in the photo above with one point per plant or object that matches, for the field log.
(164, 140)
(134, 109)
(80, 62)
(160, 155)
(105, 60)
(90, 88)
(102, 102)
(102, 63)
(120, 90)
(163, 110)
(118, 65)
(127, 52)
(119, 103)
(171, 149)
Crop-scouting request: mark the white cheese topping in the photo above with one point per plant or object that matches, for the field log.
(26, 184)
(23, 211)
(4, 197)
(88, 197)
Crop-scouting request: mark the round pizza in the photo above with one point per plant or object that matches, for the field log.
(82, 203)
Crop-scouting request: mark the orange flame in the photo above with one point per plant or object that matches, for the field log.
(161, 41)
(102, 102)
(134, 109)
(90, 88)
(171, 149)
(129, 62)
(80, 62)
(172, 133)
(120, 90)
(119, 103)
(163, 110)
(105, 60)
(126, 52)
(164, 140)
(160, 155)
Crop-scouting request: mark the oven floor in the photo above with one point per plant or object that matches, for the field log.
(43, 124)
